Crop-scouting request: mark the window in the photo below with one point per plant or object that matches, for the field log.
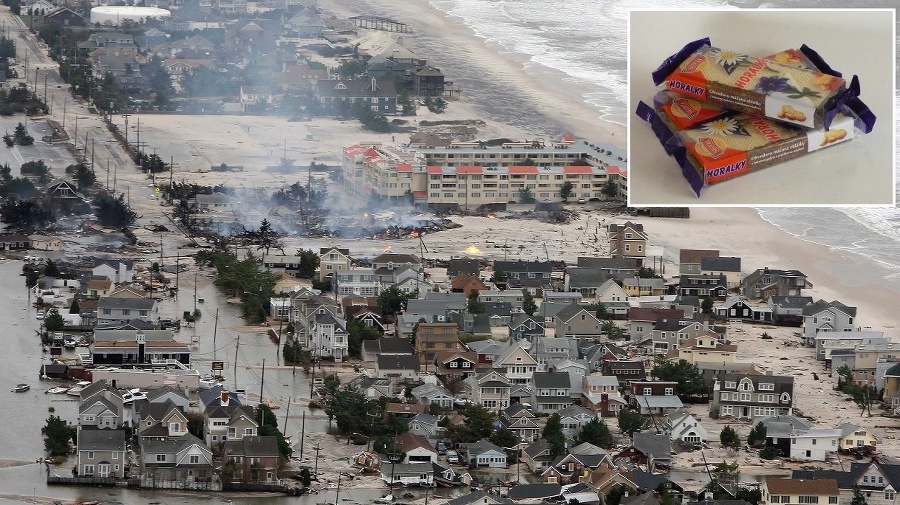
(808, 499)
(248, 432)
(126, 312)
(160, 458)
(888, 495)
(775, 499)
(174, 426)
(90, 454)
(670, 391)
(195, 460)
(766, 386)
(730, 385)
(745, 397)
(88, 470)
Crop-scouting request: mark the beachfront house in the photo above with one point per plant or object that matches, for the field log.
(705, 347)
(737, 308)
(252, 459)
(338, 96)
(627, 240)
(814, 444)
(856, 438)
(702, 285)
(729, 266)
(689, 260)
(766, 282)
(751, 395)
(825, 316)
(780, 491)
(101, 453)
(178, 463)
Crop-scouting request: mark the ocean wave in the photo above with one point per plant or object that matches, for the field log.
(858, 231)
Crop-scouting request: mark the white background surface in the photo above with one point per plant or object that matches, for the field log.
(853, 41)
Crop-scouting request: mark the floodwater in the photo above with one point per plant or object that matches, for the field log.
(22, 480)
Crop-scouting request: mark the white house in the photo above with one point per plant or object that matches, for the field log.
(814, 444)
(417, 448)
(827, 316)
(413, 474)
(118, 271)
(328, 336)
(484, 453)
(685, 427)
(573, 418)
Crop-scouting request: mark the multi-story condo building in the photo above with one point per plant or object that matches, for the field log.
(471, 174)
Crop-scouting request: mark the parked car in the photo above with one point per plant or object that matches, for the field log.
(441, 448)
(452, 457)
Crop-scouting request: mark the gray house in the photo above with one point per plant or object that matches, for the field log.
(120, 310)
(578, 322)
(552, 391)
(827, 316)
(484, 453)
(766, 282)
(182, 463)
(101, 453)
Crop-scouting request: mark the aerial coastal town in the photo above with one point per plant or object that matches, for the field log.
(454, 310)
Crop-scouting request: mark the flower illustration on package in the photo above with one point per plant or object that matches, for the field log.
(775, 84)
(728, 60)
(723, 127)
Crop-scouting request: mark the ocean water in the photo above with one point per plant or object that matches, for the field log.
(586, 40)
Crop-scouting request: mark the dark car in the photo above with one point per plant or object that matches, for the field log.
(441, 448)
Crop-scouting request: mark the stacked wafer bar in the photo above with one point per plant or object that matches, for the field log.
(727, 114)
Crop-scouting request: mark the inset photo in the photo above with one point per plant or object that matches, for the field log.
(762, 107)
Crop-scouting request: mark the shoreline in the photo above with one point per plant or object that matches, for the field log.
(461, 54)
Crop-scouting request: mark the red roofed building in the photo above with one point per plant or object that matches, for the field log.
(471, 174)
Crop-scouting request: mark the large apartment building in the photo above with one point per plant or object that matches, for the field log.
(470, 174)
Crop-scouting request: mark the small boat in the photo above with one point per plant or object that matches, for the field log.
(385, 499)
(76, 390)
(58, 390)
(70, 342)
(21, 388)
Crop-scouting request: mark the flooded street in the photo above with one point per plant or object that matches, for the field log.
(21, 444)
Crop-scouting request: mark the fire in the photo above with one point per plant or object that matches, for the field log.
(365, 215)
(386, 250)
(491, 216)
(473, 250)
(414, 234)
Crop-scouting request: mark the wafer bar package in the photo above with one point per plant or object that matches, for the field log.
(672, 113)
(729, 147)
(786, 92)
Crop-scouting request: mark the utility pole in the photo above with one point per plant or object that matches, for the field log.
(302, 434)
(171, 170)
(45, 90)
(236, 347)
(139, 133)
(337, 492)
(215, 328)
(316, 464)
(126, 116)
(195, 297)
(92, 154)
(262, 381)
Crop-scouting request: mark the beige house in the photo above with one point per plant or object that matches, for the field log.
(638, 286)
(705, 347)
(490, 389)
(627, 240)
(855, 437)
(517, 363)
(333, 259)
(867, 356)
(799, 491)
(575, 321)
(434, 338)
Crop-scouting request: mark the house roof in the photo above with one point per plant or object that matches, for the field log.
(784, 426)
(409, 441)
(648, 481)
(534, 491)
(405, 408)
(174, 446)
(814, 487)
(790, 302)
(115, 302)
(658, 401)
(822, 305)
(388, 345)
(650, 444)
(156, 411)
(587, 448)
(523, 266)
(551, 380)
(398, 362)
(479, 497)
(535, 449)
(641, 499)
(101, 440)
(153, 394)
(694, 256)
(720, 264)
(255, 446)
(575, 410)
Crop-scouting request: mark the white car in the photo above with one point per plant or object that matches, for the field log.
(39, 315)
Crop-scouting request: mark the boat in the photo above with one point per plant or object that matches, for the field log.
(385, 499)
(21, 388)
(70, 342)
(58, 390)
(76, 389)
